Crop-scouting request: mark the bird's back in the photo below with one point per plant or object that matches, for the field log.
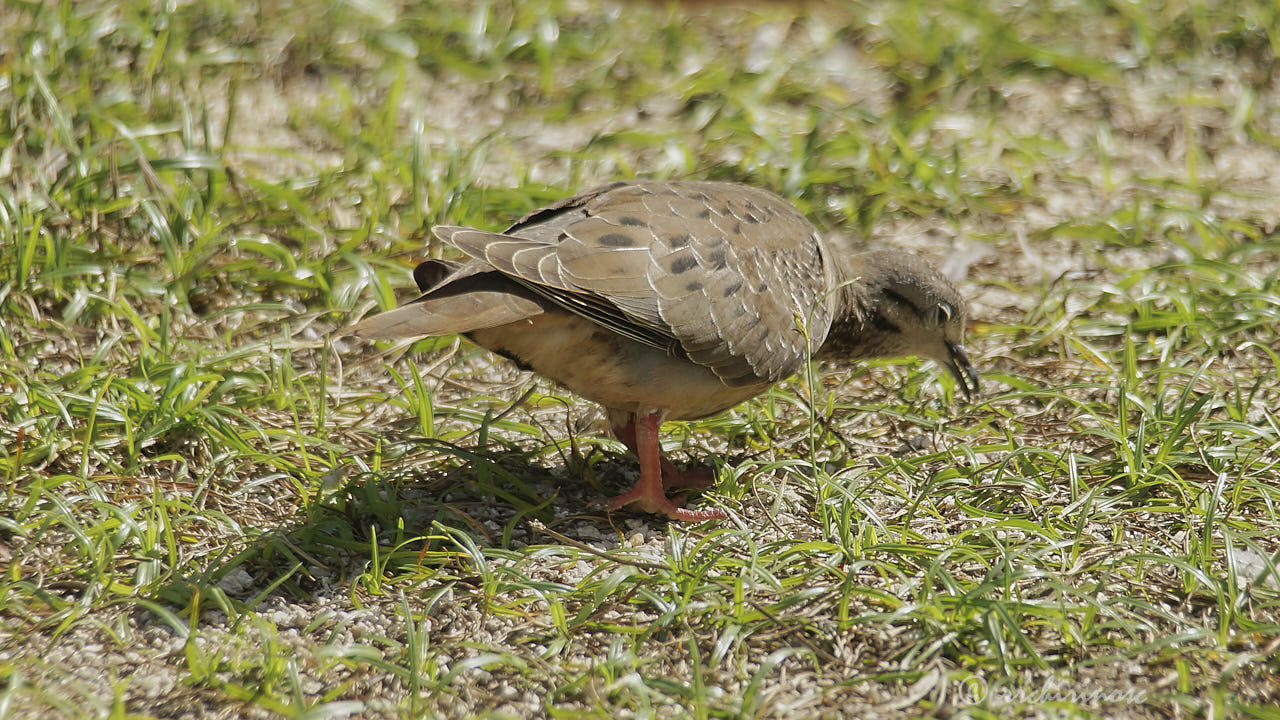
(729, 277)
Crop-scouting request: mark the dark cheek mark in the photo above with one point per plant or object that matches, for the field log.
(896, 297)
(883, 325)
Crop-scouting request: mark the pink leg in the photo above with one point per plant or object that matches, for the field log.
(672, 476)
(648, 493)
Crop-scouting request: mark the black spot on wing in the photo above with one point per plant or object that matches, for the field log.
(683, 264)
(616, 240)
(717, 259)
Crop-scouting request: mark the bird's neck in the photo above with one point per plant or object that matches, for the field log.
(858, 326)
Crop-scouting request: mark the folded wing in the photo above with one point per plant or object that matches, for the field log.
(732, 277)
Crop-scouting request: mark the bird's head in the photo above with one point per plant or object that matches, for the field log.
(897, 305)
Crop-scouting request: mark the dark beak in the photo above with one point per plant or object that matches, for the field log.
(959, 365)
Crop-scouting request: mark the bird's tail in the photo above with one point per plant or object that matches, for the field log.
(456, 299)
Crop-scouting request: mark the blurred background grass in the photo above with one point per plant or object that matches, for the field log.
(214, 506)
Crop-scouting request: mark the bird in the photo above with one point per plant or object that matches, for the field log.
(676, 300)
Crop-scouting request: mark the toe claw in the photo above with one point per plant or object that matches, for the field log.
(662, 505)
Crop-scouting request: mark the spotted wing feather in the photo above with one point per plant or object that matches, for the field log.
(725, 273)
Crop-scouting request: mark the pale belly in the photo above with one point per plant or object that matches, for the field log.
(618, 373)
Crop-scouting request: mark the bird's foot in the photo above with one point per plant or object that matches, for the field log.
(658, 474)
(659, 504)
(672, 476)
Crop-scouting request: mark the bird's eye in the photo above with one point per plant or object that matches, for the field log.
(941, 313)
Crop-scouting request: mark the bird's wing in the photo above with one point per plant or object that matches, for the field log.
(730, 276)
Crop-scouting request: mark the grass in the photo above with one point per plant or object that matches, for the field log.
(216, 505)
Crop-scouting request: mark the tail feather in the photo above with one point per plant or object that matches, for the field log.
(467, 303)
